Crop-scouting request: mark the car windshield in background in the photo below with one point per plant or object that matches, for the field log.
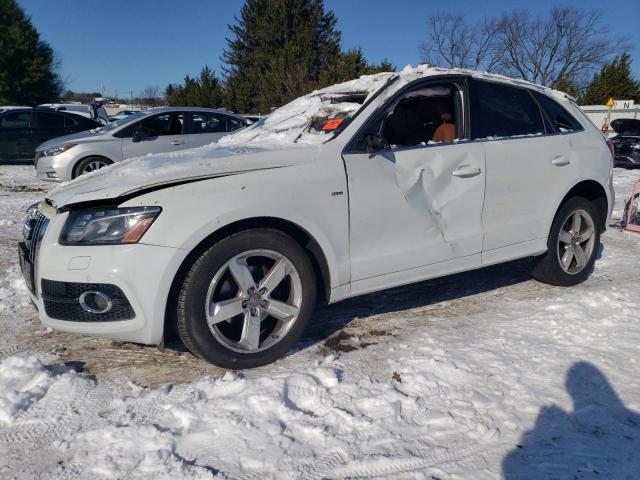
(118, 123)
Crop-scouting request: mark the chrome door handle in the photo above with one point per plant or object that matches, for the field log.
(466, 172)
(177, 142)
(561, 161)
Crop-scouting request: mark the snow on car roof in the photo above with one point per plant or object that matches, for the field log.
(292, 123)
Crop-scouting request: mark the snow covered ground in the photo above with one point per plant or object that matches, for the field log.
(482, 375)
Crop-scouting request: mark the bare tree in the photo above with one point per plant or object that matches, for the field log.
(454, 43)
(150, 96)
(569, 44)
(565, 47)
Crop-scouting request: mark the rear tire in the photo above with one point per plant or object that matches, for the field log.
(90, 164)
(246, 301)
(572, 245)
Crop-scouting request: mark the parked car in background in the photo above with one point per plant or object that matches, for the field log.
(121, 114)
(627, 142)
(163, 129)
(5, 108)
(383, 181)
(97, 112)
(23, 129)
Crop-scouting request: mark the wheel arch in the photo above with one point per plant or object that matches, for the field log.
(81, 159)
(594, 192)
(299, 234)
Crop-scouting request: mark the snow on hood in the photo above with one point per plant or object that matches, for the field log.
(150, 171)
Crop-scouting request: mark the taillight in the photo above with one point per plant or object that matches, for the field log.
(612, 148)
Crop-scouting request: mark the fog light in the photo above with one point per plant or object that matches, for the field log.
(52, 175)
(95, 302)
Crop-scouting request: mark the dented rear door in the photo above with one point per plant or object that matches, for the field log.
(415, 206)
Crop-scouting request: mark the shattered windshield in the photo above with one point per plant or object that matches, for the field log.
(301, 121)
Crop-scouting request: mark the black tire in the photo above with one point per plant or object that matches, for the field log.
(547, 268)
(82, 164)
(191, 317)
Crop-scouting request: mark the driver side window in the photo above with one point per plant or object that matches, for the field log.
(426, 115)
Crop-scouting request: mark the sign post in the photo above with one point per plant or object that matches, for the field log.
(605, 124)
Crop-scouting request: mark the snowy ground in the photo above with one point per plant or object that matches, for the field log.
(480, 375)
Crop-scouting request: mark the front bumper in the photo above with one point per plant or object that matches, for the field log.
(144, 274)
(57, 168)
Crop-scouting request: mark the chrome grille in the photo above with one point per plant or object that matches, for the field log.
(34, 227)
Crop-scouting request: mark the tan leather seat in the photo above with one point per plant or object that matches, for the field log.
(445, 132)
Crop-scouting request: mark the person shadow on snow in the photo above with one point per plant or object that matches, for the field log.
(600, 438)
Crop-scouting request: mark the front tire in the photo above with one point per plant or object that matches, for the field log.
(572, 245)
(90, 164)
(247, 299)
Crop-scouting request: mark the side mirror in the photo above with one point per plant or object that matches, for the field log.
(374, 142)
(139, 134)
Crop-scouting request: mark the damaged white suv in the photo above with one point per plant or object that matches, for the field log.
(378, 182)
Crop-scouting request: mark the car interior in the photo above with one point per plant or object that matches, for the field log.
(425, 115)
(168, 124)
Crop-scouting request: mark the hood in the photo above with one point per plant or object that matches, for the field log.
(88, 135)
(167, 169)
(622, 125)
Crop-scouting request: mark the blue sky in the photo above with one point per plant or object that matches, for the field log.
(127, 45)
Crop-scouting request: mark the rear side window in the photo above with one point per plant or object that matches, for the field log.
(15, 120)
(50, 120)
(208, 123)
(503, 111)
(164, 124)
(561, 120)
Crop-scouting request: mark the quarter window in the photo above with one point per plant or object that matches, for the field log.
(503, 111)
(561, 120)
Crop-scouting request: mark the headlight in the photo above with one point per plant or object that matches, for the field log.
(50, 152)
(108, 226)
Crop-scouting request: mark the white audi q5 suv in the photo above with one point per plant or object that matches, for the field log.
(378, 182)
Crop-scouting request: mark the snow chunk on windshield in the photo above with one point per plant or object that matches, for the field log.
(294, 122)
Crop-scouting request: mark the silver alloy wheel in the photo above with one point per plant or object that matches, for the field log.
(576, 241)
(262, 320)
(93, 166)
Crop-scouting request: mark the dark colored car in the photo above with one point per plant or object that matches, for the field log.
(23, 129)
(627, 142)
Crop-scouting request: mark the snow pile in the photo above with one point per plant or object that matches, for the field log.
(13, 291)
(23, 380)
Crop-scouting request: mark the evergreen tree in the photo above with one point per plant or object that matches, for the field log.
(613, 81)
(204, 91)
(278, 52)
(27, 64)
(349, 65)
